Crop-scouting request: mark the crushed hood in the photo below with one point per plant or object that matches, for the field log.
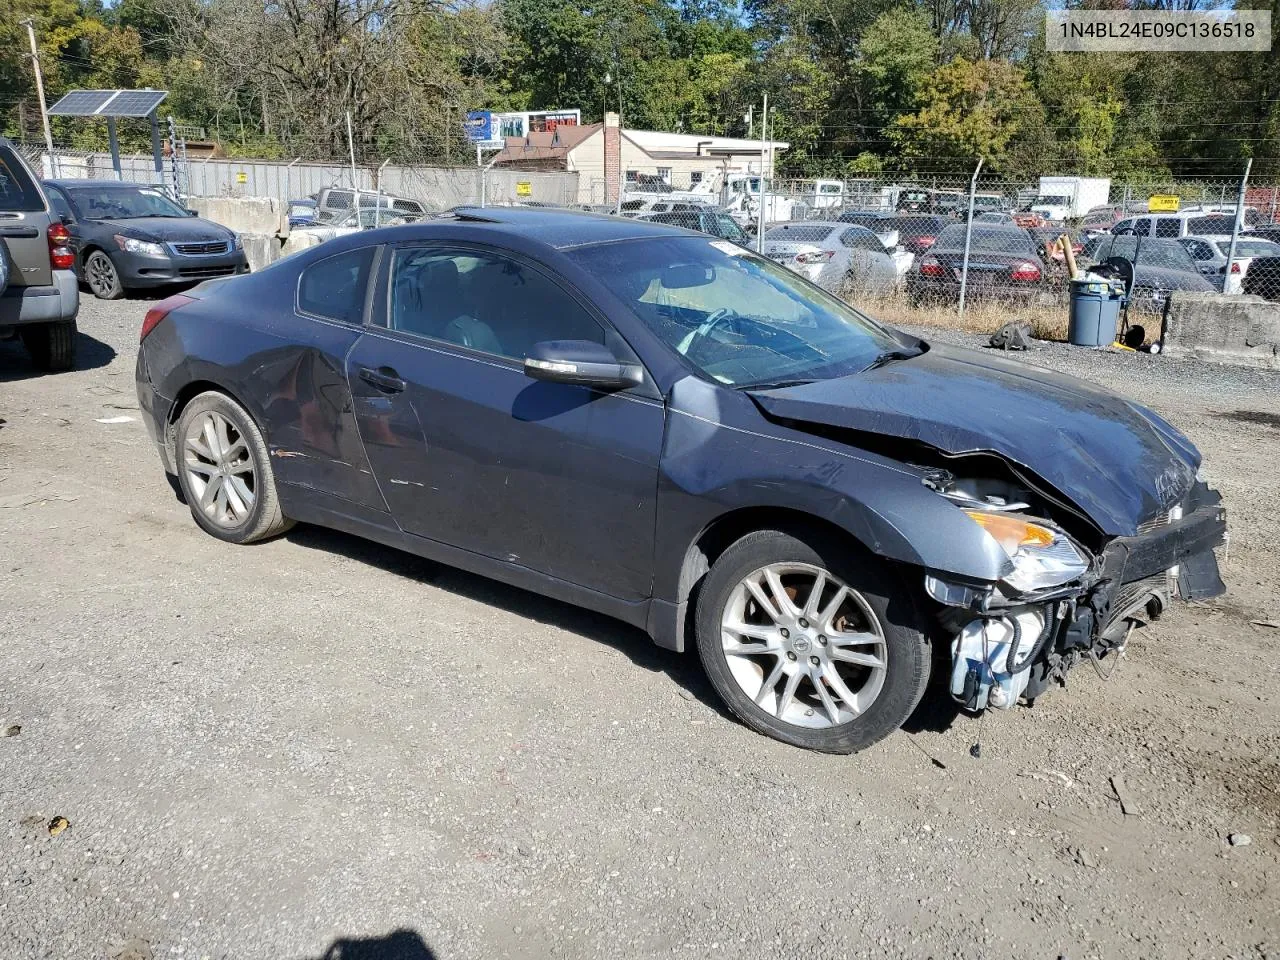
(1117, 461)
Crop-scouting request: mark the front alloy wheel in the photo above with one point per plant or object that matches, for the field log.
(811, 640)
(220, 472)
(803, 646)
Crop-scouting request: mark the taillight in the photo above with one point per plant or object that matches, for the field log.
(162, 310)
(1025, 271)
(930, 267)
(1235, 266)
(61, 256)
(924, 242)
(815, 256)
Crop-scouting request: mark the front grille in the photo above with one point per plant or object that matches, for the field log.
(1129, 593)
(1155, 523)
(202, 248)
(205, 273)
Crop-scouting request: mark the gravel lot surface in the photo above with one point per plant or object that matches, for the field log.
(318, 747)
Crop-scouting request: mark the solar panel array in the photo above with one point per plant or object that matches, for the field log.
(108, 103)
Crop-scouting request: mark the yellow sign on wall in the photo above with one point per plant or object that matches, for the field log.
(524, 188)
(1163, 203)
(242, 177)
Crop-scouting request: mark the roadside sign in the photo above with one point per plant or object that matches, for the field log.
(1163, 203)
(524, 188)
(242, 177)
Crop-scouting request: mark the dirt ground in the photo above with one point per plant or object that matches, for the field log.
(317, 747)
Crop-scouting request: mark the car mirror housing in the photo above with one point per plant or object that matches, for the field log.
(192, 213)
(581, 363)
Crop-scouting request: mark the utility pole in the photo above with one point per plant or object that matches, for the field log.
(1235, 226)
(764, 152)
(44, 110)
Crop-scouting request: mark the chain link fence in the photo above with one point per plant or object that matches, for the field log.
(980, 250)
(436, 188)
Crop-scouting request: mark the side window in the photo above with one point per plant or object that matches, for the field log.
(1168, 227)
(61, 207)
(862, 239)
(482, 301)
(335, 287)
(1122, 226)
(1142, 226)
(1198, 249)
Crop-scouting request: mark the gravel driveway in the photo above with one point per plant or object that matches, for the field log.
(317, 747)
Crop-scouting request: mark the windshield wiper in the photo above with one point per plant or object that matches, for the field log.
(775, 384)
(889, 356)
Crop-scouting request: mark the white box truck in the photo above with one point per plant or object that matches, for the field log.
(1066, 198)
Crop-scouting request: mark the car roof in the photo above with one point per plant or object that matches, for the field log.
(558, 228)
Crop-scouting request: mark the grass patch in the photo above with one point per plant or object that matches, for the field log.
(1048, 322)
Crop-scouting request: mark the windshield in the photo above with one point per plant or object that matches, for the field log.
(736, 317)
(114, 203)
(987, 240)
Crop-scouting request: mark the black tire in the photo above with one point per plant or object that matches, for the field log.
(103, 278)
(52, 346)
(907, 652)
(264, 518)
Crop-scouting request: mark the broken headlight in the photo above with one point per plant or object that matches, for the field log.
(1042, 556)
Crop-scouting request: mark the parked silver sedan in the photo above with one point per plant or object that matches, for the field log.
(841, 258)
(1210, 255)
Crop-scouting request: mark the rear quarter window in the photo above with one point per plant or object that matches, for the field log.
(1168, 227)
(334, 288)
(17, 191)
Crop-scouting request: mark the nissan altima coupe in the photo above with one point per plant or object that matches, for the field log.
(665, 427)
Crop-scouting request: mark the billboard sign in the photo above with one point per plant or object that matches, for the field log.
(479, 126)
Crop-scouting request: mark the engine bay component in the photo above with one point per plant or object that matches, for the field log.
(991, 657)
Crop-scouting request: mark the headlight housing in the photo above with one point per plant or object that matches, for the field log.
(144, 247)
(1042, 556)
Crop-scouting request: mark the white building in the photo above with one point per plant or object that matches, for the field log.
(680, 160)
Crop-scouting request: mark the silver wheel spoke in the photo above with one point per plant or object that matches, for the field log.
(210, 492)
(815, 595)
(224, 439)
(861, 659)
(198, 466)
(829, 705)
(197, 446)
(829, 612)
(238, 507)
(242, 491)
(780, 597)
(841, 690)
(854, 639)
(211, 439)
(220, 502)
(757, 632)
(788, 693)
(763, 599)
(771, 682)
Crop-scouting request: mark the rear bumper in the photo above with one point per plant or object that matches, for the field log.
(139, 271)
(155, 411)
(58, 301)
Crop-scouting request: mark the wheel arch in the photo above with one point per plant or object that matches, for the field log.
(189, 392)
(671, 624)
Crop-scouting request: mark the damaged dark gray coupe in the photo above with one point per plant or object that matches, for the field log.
(671, 430)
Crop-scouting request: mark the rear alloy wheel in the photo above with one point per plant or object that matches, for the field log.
(100, 273)
(811, 643)
(225, 471)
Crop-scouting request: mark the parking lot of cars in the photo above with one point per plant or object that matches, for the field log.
(258, 750)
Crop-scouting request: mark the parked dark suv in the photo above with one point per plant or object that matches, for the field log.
(38, 293)
(129, 236)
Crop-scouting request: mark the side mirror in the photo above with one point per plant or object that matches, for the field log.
(582, 363)
(192, 213)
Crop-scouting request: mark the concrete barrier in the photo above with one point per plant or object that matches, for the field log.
(261, 250)
(301, 238)
(263, 216)
(1243, 330)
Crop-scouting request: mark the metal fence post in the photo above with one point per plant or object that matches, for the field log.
(968, 235)
(1235, 227)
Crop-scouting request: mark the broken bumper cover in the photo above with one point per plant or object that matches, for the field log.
(1186, 544)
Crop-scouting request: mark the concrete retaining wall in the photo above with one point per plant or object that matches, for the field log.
(1242, 330)
(263, 216)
